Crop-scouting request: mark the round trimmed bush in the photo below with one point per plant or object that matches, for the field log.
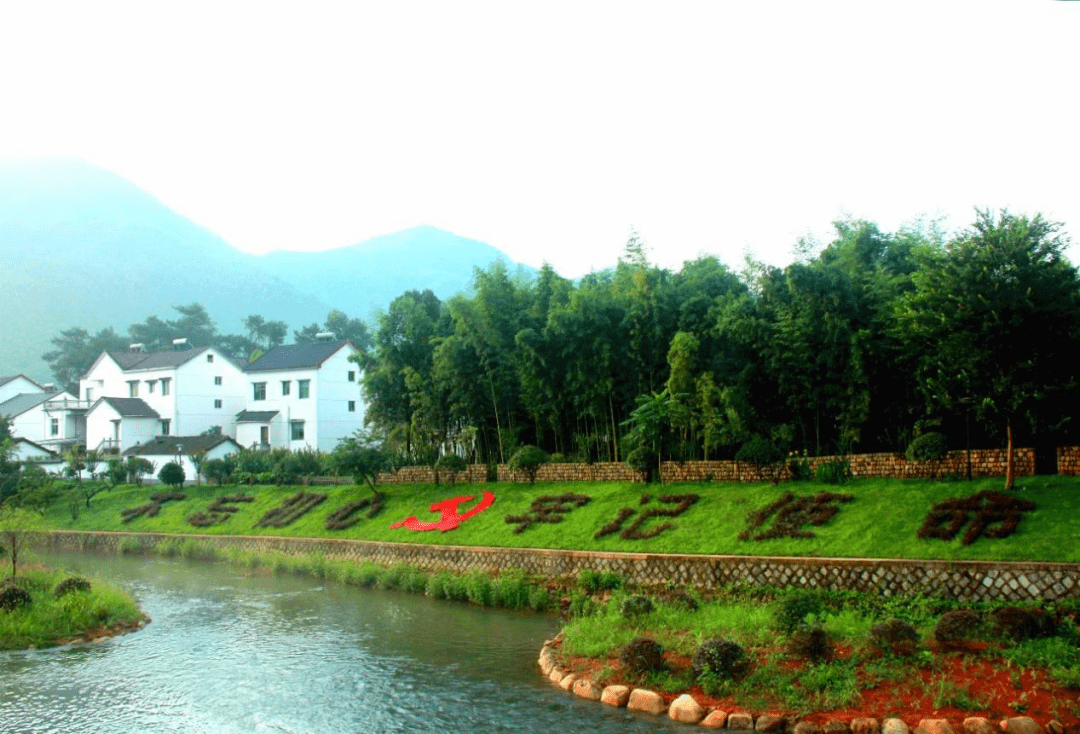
(635, 606)
(70, 585)
(895, 637)
(927, 447)
(1022, 623)
(958, 625)
(13, 597)
(810, 643)
(642, 655)
(792, 610)
(720, 657)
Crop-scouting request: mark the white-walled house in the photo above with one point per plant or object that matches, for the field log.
(302, 396)
(188, 391)
(27, 450)
(160, 450)
(18, 385)
(40, 417)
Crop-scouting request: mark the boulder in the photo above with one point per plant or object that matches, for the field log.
(865, 725)
(715, 719)
(934, 726)
(616, 696)
(769, 723)
(556, 674)
(978, 725)
(806, 727)
(1055, 727)
(894, 726)
(587, 689)
(740, 720)
(686, 710)
(1020, 725)
(835, 726)
(568, 681)
(648, 702)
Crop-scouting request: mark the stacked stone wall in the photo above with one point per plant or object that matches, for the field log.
(984, 463)
(1068, 460)
(964, 580)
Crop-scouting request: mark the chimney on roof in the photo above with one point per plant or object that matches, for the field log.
(324, 336)
(179, 345)
(49, 386)
(137, 347)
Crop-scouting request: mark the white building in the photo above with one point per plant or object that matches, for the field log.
(302, 396)
(160, 450)
(17, 385)
(40, 417)
(185, 392)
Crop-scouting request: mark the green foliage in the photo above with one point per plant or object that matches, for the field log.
(451, 464)
(927, 447)
(172, 474)
(793, 610)
(763, 454)
(1022, 623)
(528, 459)
(13, 597)
(363, 457)
(291, 467)
(116, 472)
(895, 637)
(138, 467)
(719, 657)
(220, 470)
(635, 606)
(596, 581)
(834, 472)
(810, 643)
(71, 585)
(958, 625)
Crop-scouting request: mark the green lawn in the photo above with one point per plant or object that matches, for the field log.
(880, 522)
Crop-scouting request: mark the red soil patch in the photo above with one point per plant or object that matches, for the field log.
(994, 690)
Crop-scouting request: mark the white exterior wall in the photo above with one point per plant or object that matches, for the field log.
(99, 427)
(28, 452)
(104, 379)
(159, 460)
(18, 386)
(324, 412)
(248, 435)
(34, 424)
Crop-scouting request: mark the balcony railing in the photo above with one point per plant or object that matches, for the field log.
(67, 405)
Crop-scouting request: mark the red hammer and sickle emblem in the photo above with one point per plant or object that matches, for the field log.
(448, 509)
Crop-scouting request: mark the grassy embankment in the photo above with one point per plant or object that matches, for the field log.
(50, 619)
(880, 522)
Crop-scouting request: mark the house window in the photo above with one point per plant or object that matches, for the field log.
(296, 430)
(264, 435)
(165, 427)
(303, 387)
(217, 403)
(150, 386)
(352, 406)
(89, 394)
(209, 358)
(352, 376)
(260, 390)
(285, 385)
(133, 389)
(54, 426)
(217, 380)
(165, 385)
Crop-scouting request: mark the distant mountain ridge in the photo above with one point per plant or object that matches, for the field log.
(83, 247)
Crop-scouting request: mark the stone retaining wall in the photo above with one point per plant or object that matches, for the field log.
(965, 580)
(984, 463)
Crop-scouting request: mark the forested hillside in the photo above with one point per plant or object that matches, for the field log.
(877, 338)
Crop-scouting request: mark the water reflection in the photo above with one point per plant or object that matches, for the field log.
(232, 652)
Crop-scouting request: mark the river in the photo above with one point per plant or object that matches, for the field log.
(230, 651)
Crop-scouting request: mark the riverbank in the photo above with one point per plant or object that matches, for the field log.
(44, 607)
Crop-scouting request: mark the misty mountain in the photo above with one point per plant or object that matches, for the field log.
(83, 247)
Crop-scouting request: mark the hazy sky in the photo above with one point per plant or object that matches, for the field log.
(550, 129)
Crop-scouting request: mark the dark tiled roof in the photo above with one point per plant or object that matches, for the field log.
(24, 402)
(296, 356)
(166, 445)
(255, 416)
(154, 360)
(130, 407)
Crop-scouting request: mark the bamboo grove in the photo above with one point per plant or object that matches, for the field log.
(859, 345)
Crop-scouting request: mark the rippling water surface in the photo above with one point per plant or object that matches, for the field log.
(231, 652)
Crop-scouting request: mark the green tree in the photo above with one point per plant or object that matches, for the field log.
(995, 320)
(76, 350)
(363, 457)
(16, 526)
(172, 474)
(529, 459)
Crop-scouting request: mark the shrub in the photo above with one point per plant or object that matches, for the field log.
(13, 597)
(594, 581)
(810, 643)
(635, 606)
(800, 468)
(958, 625)
(219, 471)
(927, 447)
(642, 655)
(72, 584)
(834, 472)
(792, 610)
(172, 474)
(720, 657)
(764, 455)
(529, 459)
(1022, 623)
(895, 637)
(452, 464)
